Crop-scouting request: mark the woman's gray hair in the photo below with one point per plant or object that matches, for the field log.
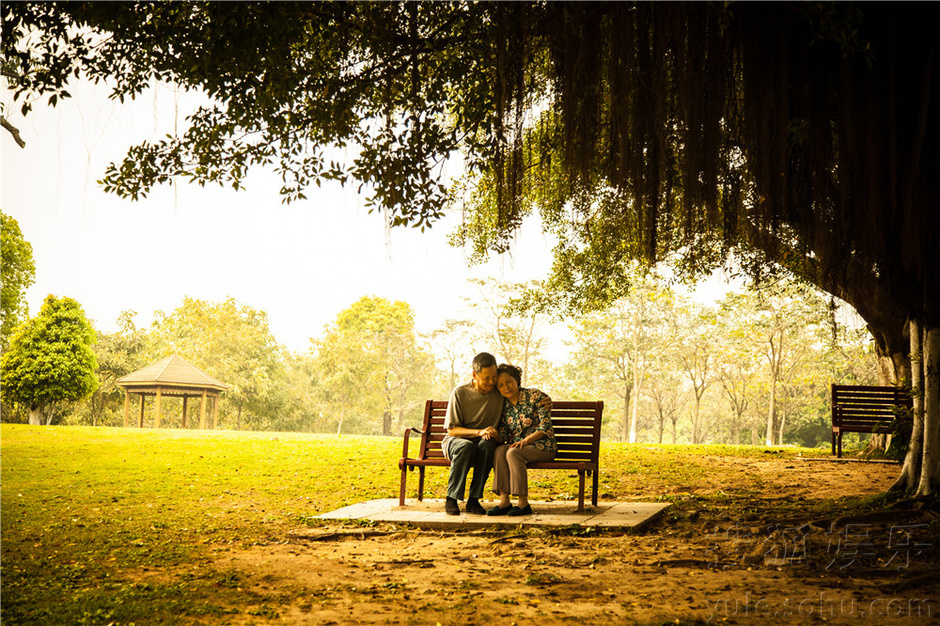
(512, 370)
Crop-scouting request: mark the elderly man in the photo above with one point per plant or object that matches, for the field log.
(473, 414)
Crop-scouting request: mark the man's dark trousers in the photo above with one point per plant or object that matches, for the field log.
(464, 454)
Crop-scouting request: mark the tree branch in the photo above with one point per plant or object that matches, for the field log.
(14, 131)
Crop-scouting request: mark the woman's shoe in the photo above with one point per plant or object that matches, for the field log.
(517, 512)
(499, 511)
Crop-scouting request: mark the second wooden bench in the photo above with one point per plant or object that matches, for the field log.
(866, 409)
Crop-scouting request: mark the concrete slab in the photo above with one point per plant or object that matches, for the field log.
(430, 514)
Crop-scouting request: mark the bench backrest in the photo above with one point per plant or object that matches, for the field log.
(858, 405)
(577, 426)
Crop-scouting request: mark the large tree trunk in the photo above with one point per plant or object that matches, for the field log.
(910, 472)
(884, 311)
(894, 368)
(930, 465)
(892, 347)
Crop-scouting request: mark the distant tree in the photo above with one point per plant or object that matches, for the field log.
(373, 365)
(783, 319)
(50, 359)
(654, 312)
(737, 379)
(737, 368)
(603, 349)
(667, 397)
(117, 354)
(510, 321)
(298, 389)
(17, 272)
(627, 339)
(347, 393)
(697, 356)
(453, 342)
(231, 342)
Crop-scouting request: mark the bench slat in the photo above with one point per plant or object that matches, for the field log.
(574, 432)
(848, 425)
(888, 407)
(561, 465)
(587, 458)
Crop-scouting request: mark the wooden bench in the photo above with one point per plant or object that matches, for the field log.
(866, 409)
(577, 428)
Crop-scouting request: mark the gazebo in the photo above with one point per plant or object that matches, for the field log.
(172, 377)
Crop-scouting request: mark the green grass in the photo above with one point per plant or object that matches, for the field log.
(84, 510)
(90, 515)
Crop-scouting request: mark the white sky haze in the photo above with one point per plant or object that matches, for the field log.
(301, 263)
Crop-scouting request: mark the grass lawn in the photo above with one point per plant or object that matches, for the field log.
(92, 516)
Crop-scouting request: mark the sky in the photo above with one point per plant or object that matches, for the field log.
(301, 263)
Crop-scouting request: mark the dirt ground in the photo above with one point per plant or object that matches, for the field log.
(790, 547)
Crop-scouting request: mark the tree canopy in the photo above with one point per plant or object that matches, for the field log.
(371, 362)
(798, 132)
(51, 358)
(17, 272)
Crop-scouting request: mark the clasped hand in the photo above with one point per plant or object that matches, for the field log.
(489, 433)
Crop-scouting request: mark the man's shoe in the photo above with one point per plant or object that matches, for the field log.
(474, 506)
(450, 507)
(516, 511)
(499, 511)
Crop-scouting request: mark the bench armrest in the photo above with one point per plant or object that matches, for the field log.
(407, 435)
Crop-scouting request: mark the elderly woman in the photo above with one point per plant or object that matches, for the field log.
(526, 430)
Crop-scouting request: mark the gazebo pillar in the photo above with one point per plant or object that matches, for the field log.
(215, 412)
(127, 406)
(185, 398)
(202, 412)
(141, 423)
(156, 418)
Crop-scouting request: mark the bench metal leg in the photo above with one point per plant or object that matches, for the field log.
(581, 491)
(404, 483)
(421, 484)
(594, 488)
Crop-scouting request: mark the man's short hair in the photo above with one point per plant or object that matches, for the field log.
(483, 361)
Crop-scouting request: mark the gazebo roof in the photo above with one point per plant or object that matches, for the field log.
(172, 371)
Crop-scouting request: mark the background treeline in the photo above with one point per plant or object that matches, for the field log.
(754, 368)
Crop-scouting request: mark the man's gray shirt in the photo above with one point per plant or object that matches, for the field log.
(468, 408)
